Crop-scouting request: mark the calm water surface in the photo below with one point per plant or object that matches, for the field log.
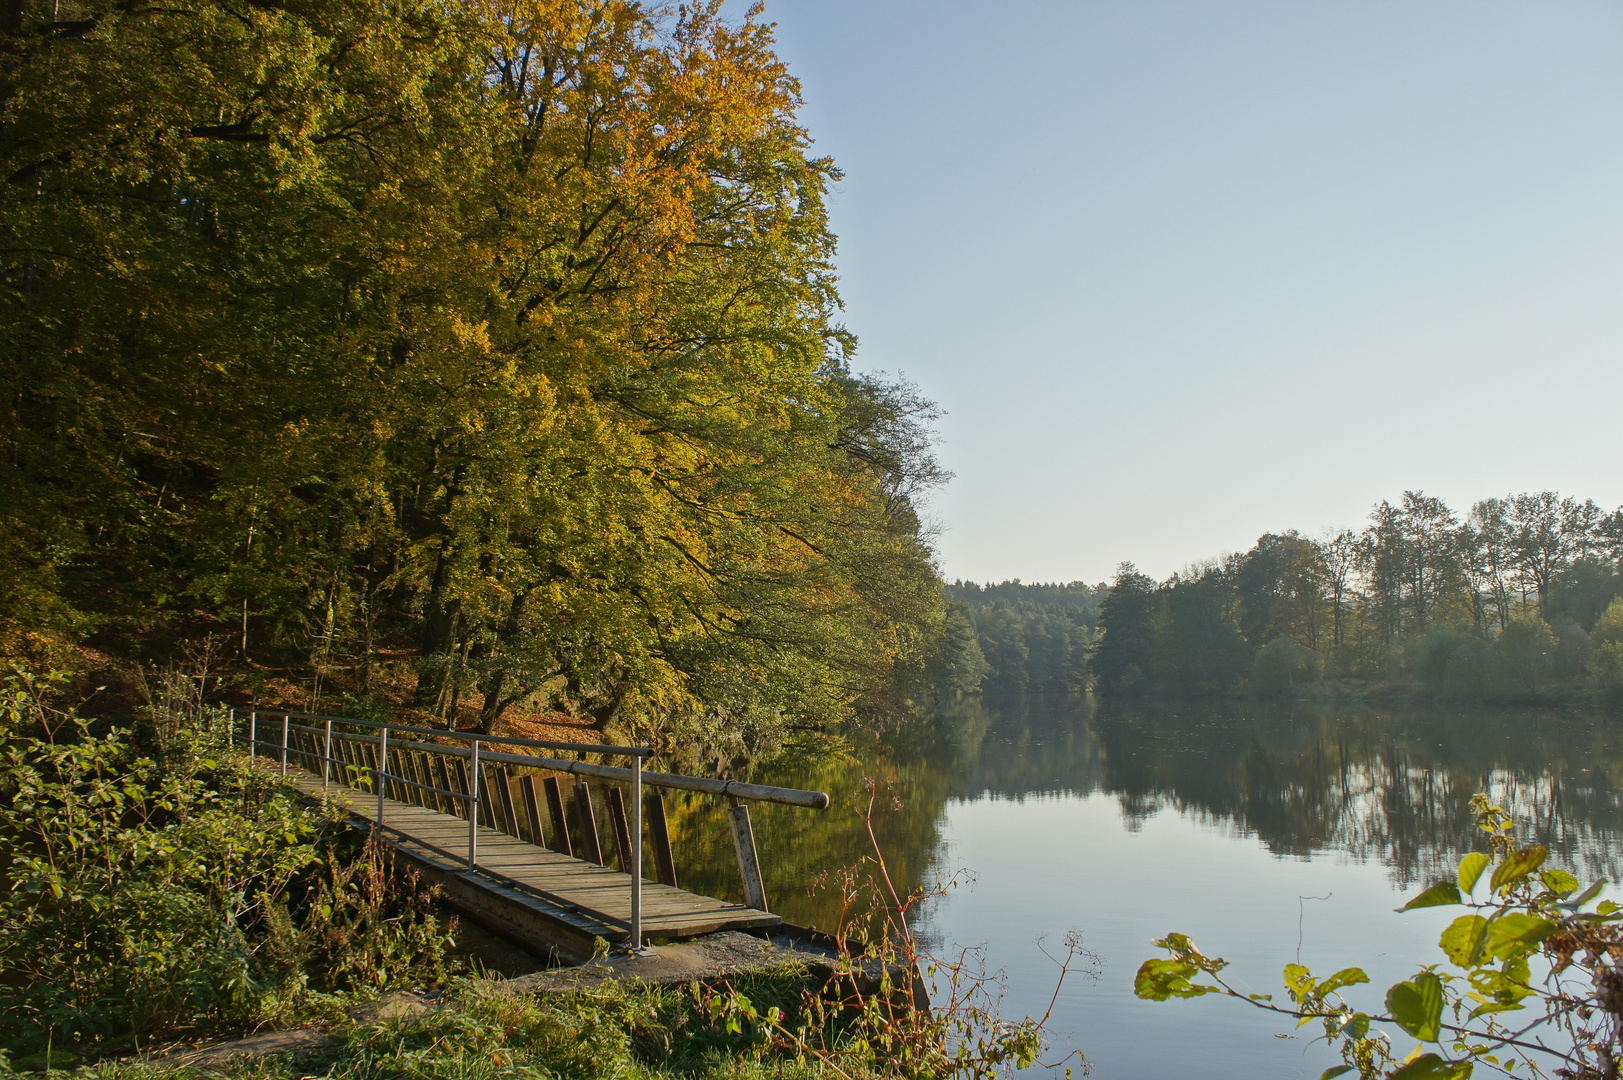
(1268, 834)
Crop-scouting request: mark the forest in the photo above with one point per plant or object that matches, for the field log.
(1028, 637)
(469, 359)
(1516, 600)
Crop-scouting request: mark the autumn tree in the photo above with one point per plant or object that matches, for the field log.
(505, 330)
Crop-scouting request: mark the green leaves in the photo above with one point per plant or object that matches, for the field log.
(1471, 868)
(1432, 1067)
(1517, 865)
(1517, 934)
(1345, 977)
(1493, 941)
(1559, 882)
(1304, 988)
(1505, 936)
(1444, 892)
(1159, 980)
(1500, 991)
(1462, 941)
(1417, 1006)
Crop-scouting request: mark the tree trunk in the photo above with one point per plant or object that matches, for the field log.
(495, 704)
(440, 621)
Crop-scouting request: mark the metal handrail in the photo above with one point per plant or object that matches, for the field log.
(730, 789)
(510, 740)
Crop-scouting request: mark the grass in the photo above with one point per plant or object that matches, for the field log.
(488, 1031)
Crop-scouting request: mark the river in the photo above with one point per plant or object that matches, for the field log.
(1268, 833)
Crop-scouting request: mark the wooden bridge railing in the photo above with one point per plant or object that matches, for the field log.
(471, 781)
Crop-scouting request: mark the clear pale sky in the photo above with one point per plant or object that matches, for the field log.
(1182, 273)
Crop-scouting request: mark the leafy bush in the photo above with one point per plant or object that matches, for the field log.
(1609, 627)
(1430, 655)
(148, 892)
(1525, 651)
(1283, 667)
(1470, 672)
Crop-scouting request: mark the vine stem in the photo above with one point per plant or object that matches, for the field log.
(1381, 1018)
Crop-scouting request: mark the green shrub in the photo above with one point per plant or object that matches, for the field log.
(1470, 672)
(1609, 627)
(1525, 657)
(1282, 667)
(1429, 657)
(154, 892)
(1572, 649)
(1606, 666)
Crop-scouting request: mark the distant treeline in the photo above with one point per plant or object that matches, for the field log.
(1516, 600)
(1032, 637)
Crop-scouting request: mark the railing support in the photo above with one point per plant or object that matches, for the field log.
(591, 842)
(231, 727)
(635, 869)
(326, 757)
(659, 831)
(473, 808)
(382, 769)
(253, 732)
(749, 865)
(285, 720)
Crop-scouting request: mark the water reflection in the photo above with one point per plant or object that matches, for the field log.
(1380, 785)
(1387, 786)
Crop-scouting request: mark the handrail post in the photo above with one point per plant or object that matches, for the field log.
(285, 722)
(749, 864)
(636, 853)
(326, 756)
(253, 732)
(231, 727)
(382, 769)
(473, 807)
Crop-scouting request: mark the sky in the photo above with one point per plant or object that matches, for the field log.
(1180, 274)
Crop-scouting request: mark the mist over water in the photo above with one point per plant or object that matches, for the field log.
(1269, 833)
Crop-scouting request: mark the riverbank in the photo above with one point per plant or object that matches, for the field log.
(1391, 692)
(171, 907)
(477, 1028)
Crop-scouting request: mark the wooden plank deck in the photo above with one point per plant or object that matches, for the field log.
(581, 899)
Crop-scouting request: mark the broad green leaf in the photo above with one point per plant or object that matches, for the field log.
(1471, 868)
(1298, 979)
(1158, 980)
(1517, 865)
(1463, 940)
(1334, 1071)
(1606, 907)
(1444, 892)
(1417, 1006)
(1517, 934)
(1432, 1067)
(1559, 882)
(1345, 977)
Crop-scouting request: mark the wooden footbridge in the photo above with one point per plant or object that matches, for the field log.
(466, 810)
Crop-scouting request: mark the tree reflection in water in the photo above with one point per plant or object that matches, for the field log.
(1378, 784)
